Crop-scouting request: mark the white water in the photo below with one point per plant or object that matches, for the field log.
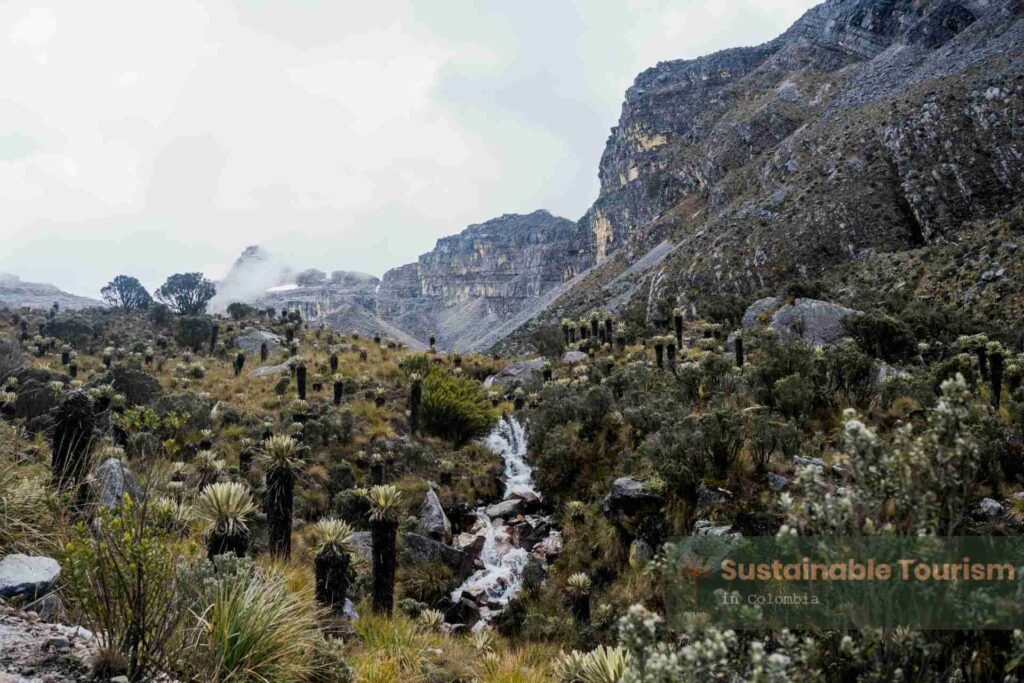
(501, 577)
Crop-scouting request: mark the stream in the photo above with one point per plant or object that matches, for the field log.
(503, 556)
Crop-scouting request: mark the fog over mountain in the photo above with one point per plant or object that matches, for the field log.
(337, 136)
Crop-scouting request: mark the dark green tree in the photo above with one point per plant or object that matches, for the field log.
(127, 293)
(186, 293)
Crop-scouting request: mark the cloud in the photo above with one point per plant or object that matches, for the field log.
(341, 136)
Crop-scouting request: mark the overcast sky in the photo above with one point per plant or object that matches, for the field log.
(149, 137)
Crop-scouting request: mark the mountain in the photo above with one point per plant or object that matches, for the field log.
(468, 285)
(471, 282)
(14, 293)
(858, 146)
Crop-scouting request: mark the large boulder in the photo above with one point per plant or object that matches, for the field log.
(416, 549)
(629, 502)
(518, 374)
(813, 322)
(26, 577)
(433, 522)
(111, 481)
(251, 340)
(572, 357)
(762, 307)
(505, 509)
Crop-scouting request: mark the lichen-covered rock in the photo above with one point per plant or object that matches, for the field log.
(111, 481)
(813, 322)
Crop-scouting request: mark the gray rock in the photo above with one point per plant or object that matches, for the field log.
(416, 549)
(433, 522)
(505, 509)
(991, 508)
(754, 311)
(518, 374)
(26, 577)
(628, 502)
(251, 340)
(704, 527)
(572, 357)
(111, 480)
(813, 322)
(777, 482)
(271, 370)
(803, 461)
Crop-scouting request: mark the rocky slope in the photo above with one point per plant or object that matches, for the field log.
(476, 280)
(15, 293)
(467, 286)
(870, 127)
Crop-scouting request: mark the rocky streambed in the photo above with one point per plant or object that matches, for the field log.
(507, 533)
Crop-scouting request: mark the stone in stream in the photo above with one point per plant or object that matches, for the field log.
(505, 509)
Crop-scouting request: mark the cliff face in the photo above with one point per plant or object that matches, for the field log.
(469, 284)
(870, 127)
(479, 278)
(699, 135)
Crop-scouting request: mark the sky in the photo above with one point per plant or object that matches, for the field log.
(147, 137)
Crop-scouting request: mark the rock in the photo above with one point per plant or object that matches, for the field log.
(813, 322)
(518, 374)
(629, 502)
(777, 482)
(28, 578)
(887, 372)
(572, 357)
(416, 549)
(505, 509)
(754, 312)
(271, 370)
(804, 461)
(704, 527)
(250, 342)
(549, 548)
(111, 480)
(433, 522)
(709, 497)
(991, 508)
(471, 544)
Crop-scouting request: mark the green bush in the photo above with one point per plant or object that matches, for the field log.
(881, 336)
(455, 408)
(428, 582)
(121, 581)
(194, 331)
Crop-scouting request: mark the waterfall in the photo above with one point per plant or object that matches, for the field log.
(501, 577)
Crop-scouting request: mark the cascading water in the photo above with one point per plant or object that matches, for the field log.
(501, 576)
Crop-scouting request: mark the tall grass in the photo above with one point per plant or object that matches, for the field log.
(255, 629)
(27, 519)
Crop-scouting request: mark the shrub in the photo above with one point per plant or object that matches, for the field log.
(27, 521)
(194, 331)
(881, 336)
(121, 582)
(428, 582)
(238, 310)
(455, 408)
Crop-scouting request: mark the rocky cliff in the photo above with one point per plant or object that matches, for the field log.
(15, 293)
(479, 278)
(869, 128)
(462, 289)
